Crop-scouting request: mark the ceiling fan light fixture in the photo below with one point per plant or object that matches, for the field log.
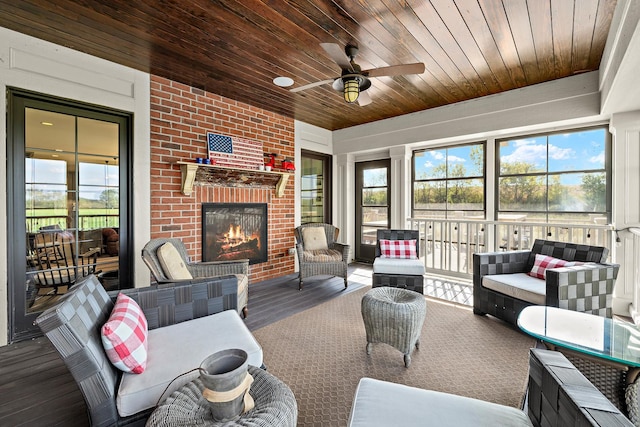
(351, 90)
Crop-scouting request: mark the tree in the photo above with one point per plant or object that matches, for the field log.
(110, 198)
(594, 186)
(521, 191)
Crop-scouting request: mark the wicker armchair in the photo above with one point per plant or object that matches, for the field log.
(201, 271)
(332, 261)
(587, 287)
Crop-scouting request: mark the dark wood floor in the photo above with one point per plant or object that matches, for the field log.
(37, 389)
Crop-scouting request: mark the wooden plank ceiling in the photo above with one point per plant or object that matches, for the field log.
(234, 48)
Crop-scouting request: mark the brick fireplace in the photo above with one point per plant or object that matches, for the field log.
(181, 116)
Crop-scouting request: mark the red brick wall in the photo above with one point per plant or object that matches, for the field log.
(180, 117)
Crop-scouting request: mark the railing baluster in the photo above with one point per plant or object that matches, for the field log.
(443, 236)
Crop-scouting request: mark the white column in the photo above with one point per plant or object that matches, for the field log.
(344, 198)
(625, 130)
(400, 200)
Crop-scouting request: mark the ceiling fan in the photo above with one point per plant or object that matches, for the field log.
(354, 82)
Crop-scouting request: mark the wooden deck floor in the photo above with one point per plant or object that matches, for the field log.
(38, 390)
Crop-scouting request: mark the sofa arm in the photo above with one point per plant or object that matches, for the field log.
(587, 288)
(219, 268)
(171, 303)
(498, 263)
(558, 393)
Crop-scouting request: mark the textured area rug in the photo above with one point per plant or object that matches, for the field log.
(320, 353)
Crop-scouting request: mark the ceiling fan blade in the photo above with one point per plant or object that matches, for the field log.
(310, 85)
(395, 70)
(337, 54)
(364, 98)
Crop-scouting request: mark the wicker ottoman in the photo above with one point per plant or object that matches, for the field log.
(275, 405)
(394, 316)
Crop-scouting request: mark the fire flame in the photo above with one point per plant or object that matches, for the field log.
(235, 235)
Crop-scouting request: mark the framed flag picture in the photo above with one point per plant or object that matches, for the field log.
(232, 151)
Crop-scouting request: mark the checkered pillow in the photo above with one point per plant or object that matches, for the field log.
(124, 336)
(399, 249)
(543, 262)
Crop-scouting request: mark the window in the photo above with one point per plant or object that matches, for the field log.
(561, 177)
(315, 188)
(449, 182)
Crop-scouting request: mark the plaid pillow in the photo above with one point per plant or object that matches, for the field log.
(399, 249)
(543, 262)
(124, 336)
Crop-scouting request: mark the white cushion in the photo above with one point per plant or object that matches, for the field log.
(518, 285)
(176, 349)
(314, 239)
(381, 403)
(407, 267)
(172, 263)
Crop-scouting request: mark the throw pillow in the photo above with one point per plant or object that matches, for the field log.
(399, 249)
(314, 239)
(544, 262)
(172, 263)
(124, 336)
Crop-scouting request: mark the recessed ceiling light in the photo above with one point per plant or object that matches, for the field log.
(283, 81)
(46, 123)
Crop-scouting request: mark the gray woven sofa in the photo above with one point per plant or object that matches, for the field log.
(558, 395)
(187, 322)
(502, 288)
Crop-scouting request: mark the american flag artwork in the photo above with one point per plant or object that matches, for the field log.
(234, 151)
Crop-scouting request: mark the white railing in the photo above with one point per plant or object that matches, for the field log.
(634, 245)
(447, 245)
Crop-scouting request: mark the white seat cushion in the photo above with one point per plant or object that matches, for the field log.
(381, 403)
(518, 285)
(407, 267)
(179, 348)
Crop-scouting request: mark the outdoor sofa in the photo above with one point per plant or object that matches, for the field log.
(502, 286)
(187, 322)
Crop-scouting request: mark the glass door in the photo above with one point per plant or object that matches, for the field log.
(66, 211)
(373, 212)
(315, 188)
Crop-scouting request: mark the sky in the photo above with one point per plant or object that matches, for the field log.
(47, 171)
(566, 152)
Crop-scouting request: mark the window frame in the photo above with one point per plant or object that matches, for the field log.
(446, 210)
(608, 170)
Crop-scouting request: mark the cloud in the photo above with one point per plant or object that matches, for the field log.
(557, 153)
(456, 159)
(525, 152)
(528, 151)
(438, 155)
(598, 159)
(428, 164)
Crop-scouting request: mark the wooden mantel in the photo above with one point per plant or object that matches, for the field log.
(230, 177)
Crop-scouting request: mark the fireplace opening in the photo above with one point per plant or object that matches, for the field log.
(233, 231)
